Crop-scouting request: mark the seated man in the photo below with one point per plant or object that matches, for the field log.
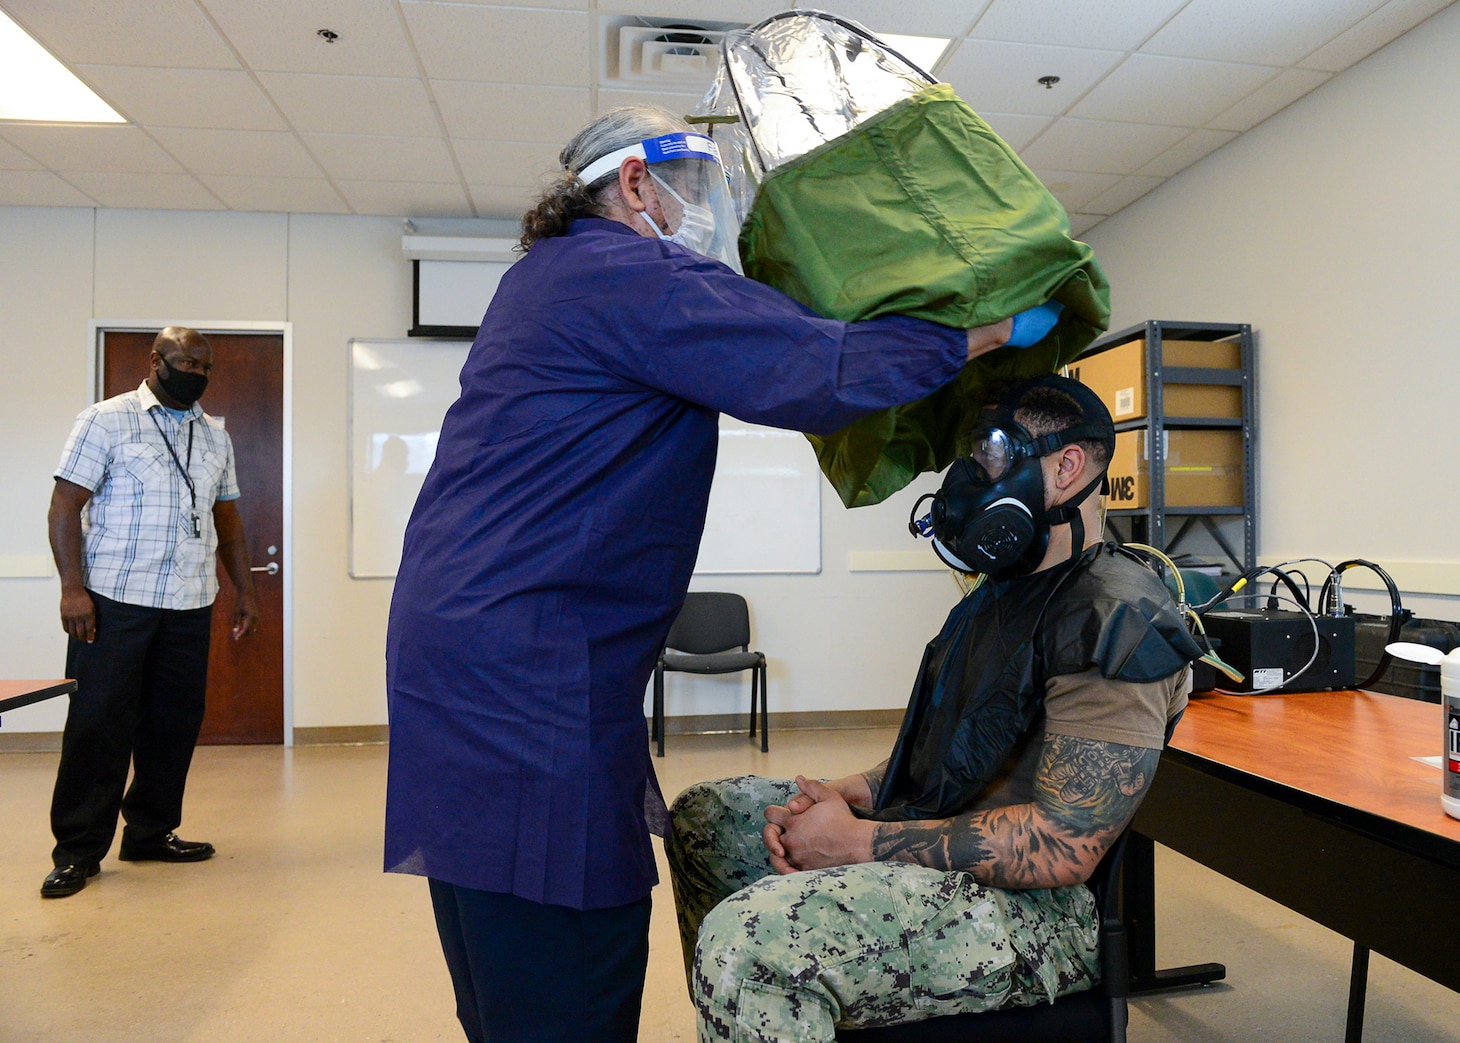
(947, 879)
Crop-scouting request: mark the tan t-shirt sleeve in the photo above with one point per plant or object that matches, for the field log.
(1089, 706)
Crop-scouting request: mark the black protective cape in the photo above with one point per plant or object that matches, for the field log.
(982, 680)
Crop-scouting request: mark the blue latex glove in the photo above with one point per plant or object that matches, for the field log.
(1032, 326)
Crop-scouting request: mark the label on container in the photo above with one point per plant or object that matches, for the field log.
(1452, 747)
(1267, 677)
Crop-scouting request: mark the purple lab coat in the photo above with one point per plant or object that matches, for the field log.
(553, 542)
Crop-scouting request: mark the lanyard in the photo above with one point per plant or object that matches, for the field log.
(192, 489)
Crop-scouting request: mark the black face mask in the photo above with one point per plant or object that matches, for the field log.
(1000, 528)
(185, 388)
(996, 523)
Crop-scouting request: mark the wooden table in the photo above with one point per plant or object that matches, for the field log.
(1316, 801)
(15, 694)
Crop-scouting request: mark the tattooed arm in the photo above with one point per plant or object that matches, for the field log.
(873, 777)
(1085, 792)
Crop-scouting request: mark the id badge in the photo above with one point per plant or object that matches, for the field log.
(195, 527)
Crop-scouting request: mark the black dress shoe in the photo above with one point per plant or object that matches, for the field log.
(67, 880)
(170, 848)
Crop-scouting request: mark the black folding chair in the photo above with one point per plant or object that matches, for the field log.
(1097, 1015)
(704, 640)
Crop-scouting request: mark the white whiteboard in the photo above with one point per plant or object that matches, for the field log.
(765, 504)
(399, 393)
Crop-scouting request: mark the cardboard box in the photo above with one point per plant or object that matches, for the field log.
(1203, 468)
(1118, 376)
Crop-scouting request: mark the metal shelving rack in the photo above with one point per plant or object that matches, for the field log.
(1150, 524)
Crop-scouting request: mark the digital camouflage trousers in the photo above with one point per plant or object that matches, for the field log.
(772, 959)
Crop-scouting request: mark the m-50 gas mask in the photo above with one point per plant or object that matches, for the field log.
(989, 516)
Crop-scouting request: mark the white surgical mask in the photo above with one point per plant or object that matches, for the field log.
(696, 224)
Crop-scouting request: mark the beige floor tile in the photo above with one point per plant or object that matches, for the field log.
(294, 933)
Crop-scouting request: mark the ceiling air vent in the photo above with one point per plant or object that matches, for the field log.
(662, 53)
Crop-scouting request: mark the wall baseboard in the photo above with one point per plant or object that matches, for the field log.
(807, 720)
(348, 735)
(30, 742)
(702, 724)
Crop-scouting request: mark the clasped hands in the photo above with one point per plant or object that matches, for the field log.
(816, 828)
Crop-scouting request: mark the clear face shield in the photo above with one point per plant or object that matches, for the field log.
(694, 196)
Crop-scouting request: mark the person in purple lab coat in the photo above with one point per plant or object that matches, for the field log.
(551, 548)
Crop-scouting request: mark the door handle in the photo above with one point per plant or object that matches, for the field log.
(272, 568)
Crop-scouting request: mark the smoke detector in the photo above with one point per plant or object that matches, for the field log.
(661, 53)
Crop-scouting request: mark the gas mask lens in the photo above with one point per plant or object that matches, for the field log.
(994, 453)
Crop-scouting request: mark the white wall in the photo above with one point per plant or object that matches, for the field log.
(1333, 228)
(839, 640)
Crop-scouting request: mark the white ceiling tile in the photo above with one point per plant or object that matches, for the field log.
(358, 157)
(353, 104)
(502, 45)
(116, 148)
(1100, 147)
(227, 99)
(510, 112)
(1082, 223)
(1004, 77)
(263, 153)
(1075, 23)
(743, 12)
(506, 162)
(678, 104)
(1174, 92)
(1288, 87)
(1388, 23)
(1123, 194)
(38, 188)
(1017, 131)
(284, 37)
(1273, 32)
(146, 191)
(277, 194)
(501, 201)
(395, 199)
(1074, 189)
(172, 33)
(12, 158)
(1197, 145)
(913, 17)
(567, 5)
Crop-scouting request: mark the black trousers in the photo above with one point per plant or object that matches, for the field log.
(140, 690)
(530, 973)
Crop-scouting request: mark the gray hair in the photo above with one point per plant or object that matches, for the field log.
(567, 198)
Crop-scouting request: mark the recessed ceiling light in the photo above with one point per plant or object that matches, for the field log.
(36, 87)
(922, 51)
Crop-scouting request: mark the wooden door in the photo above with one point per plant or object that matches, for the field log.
(246, 390)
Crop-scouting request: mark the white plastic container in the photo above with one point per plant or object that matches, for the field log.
(1450, 704)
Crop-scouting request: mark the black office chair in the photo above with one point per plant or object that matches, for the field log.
(708, 629)
(1097, 1015)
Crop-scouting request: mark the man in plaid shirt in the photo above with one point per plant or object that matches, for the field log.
(143, 504)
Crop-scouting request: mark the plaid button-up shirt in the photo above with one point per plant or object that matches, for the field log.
(141, 546)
